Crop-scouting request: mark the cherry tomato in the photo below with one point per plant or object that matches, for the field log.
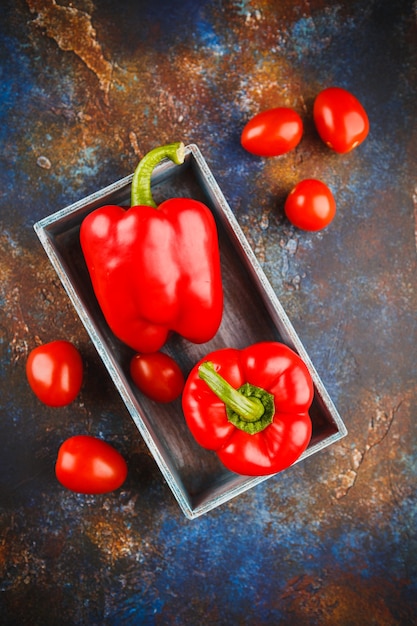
(310, 205)
(86, 464)
(272, 132)
(340, 119)
(157, 375)
(55, 372)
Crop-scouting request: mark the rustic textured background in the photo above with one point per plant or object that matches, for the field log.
(86, 89)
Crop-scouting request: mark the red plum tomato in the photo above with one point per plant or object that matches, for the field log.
(272, 132)
(157, 375)
(340, 119)
(310, 205)
(55, 372)
(86, 464)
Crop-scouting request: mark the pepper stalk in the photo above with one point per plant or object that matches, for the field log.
(249, 408)
(141, 194)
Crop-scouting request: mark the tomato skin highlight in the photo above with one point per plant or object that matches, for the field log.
(157, 375)
(310, 205)
(272, 132)
(340, 119)
(55, 372)
(89, 465)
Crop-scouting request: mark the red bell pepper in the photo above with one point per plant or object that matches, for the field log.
(155, 270)
(251, 407)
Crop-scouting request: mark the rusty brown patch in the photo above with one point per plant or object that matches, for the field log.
(73, 31)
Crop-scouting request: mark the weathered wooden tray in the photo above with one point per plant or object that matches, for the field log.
(252, 313)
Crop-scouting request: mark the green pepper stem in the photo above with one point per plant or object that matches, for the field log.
(249, 409)
(141, 183)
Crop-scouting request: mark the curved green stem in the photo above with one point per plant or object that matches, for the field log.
(249, 408)
(141, 193)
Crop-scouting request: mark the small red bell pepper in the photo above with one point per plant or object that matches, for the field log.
(251, 407)
(155, 270)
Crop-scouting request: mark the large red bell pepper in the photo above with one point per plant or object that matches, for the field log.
(155, 270)
(251, 407)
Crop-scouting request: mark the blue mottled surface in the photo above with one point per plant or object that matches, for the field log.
(88, 88)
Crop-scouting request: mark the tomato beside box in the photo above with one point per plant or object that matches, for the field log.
(252, 313)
